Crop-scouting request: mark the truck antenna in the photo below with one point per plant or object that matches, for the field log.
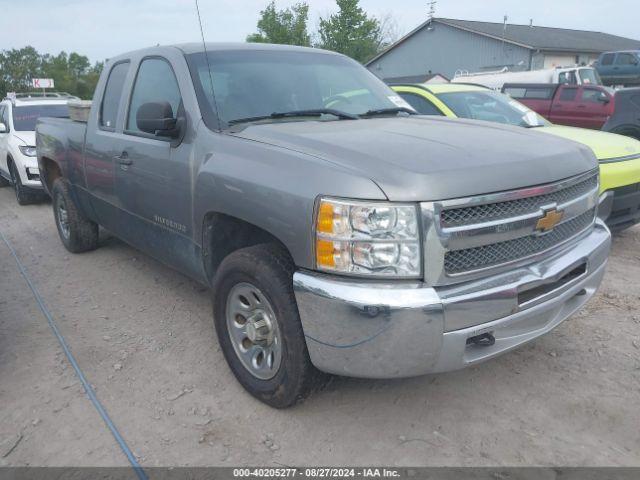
(206, 56)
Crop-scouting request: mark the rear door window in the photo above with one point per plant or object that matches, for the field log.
(155, 82)
(568, 94)
(112, 95)
(607, 59)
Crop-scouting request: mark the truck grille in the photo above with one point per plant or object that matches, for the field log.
(504, 252)
(495, 211)
(473, 237)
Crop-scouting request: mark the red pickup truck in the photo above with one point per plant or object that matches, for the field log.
(586, 106)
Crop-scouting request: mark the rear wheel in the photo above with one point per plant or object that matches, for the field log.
(78, 233)
(258, 326)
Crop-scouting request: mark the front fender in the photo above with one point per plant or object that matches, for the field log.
(270, 187)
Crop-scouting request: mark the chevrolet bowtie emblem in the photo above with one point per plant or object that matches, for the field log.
(549, 221)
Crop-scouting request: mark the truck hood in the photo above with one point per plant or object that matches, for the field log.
(422, 158)
(606, 146)
(29, 138)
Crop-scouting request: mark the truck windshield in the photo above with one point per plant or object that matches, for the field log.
(254, 84)
(589, 76)
(492, 107)
(25, 117)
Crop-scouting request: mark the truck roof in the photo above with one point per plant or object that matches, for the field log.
(197, 47)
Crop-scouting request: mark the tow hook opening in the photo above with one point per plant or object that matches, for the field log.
(484, 340)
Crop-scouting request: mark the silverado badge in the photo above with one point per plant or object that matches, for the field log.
(549, 221)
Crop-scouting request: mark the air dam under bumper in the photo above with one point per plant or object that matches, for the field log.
(375, 329)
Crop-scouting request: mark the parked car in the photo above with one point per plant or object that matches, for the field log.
(625, 119)
(18, 162)
(573, 105)
(619, 156)
(339, 231)
(559, 75)
(619, 68)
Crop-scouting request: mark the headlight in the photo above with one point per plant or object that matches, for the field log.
(28, 151)
(365, 238)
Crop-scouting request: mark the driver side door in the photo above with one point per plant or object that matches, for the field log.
(153, 176)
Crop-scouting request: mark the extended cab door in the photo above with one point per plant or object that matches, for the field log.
(154, 173)
(102, 143)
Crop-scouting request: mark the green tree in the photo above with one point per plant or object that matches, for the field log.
(17, 68)
(287, 26)
(71, 73)
(351, 32)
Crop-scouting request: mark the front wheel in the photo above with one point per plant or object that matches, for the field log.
(78, 233)
(23, 197)
(258, 326)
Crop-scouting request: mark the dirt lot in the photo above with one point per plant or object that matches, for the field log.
(143, 336)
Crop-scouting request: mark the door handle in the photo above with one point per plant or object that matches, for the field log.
(123, 158)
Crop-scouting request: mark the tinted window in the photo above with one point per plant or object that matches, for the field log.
(539, 93)
(568, 94)
(24, 118)
(155, 82)
(626, 59)
(113, 94)
(421, 104)
(2, 119)
(607, 58)
(592, 95)
(515, 92)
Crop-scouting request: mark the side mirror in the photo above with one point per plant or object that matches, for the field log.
(3, 128)
(604, 99)
(157, 119)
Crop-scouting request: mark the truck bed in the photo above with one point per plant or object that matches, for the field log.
(61, 140)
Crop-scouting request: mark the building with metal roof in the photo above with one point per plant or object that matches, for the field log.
(447, 46)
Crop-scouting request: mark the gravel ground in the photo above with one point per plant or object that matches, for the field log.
(144, 338)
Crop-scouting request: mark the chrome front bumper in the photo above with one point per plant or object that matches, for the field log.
(375, 329)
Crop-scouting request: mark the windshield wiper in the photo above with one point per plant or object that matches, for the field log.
(388, 111)
(316, 112)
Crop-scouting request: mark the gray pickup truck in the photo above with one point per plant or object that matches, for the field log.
(339, 231)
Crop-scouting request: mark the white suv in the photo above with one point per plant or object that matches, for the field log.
(18, 161)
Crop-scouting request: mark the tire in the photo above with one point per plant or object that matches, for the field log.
(77, 233)
(268, 269)
(22, 195)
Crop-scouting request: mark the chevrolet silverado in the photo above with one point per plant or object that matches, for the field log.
(339, 231)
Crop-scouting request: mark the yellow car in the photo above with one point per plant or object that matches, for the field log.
(619, 156)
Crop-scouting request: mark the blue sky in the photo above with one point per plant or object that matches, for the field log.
(103, 28)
